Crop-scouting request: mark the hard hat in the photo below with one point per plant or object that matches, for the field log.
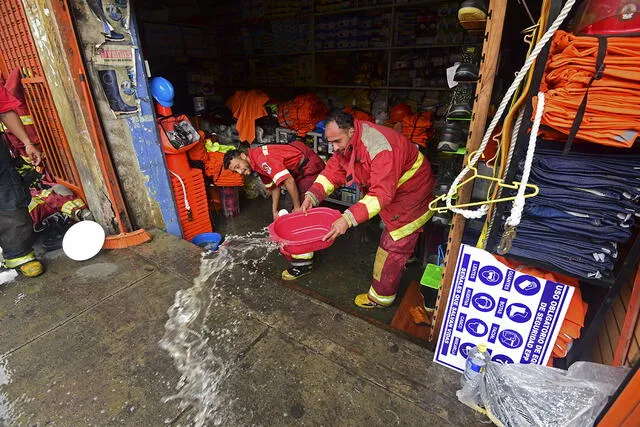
(608, 17)
(162, 91)
(399, 112)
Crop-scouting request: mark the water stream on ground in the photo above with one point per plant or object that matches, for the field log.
(188, 339)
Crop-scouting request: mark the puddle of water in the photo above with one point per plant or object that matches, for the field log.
(190, 343)
(99, 269)
(7, 412)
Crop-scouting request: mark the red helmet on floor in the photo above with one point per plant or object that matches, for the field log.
(608, 17)
(399, 112)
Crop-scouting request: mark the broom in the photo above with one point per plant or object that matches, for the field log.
(125, 239)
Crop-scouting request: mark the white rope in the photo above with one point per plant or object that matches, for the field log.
(496, 118)
(184, 190)
(518, 203)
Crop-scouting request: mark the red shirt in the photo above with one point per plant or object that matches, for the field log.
(277, 162)
(8, 102)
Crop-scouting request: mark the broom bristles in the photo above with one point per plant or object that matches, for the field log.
(126, 240)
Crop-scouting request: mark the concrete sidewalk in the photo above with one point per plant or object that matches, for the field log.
(79, 346)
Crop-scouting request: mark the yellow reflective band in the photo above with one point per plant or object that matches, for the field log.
(26, 120)
(35, 201)
(17, 262)
(348, 216)
(280, 174)
(381, 299)
(68, 207)
(381, 258)
(414, 168)
(372, 203)
(408, 229)
(269, 186)
(308, 255)
(326, 184)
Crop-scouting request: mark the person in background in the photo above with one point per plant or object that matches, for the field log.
(16, 227)
(397, 183)
(293, 166)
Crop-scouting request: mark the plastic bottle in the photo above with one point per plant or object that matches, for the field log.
(477, 359)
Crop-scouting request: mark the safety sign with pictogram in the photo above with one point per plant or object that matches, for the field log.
(517, 315)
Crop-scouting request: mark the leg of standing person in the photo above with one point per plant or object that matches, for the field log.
(391, 257)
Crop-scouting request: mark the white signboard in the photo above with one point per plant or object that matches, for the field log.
(517, 315)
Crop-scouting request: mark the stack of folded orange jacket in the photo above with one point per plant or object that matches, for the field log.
(417, 128)
(577, 311)
(302, 113)
(214, 166)
(611, 115)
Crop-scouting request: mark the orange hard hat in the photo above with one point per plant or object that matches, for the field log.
(399, 112)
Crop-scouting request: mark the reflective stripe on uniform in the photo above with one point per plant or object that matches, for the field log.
(265, 150)
(17, 262)
(26, 120)
(350, 218)
(308, 255)
(381, 299)
(374, 141)
(414, 168)
(314, 199)
(269, 185)
(411, 227)
(372, 204)
(280, 174)
(34, 203)
(326, 184)
(378, 264)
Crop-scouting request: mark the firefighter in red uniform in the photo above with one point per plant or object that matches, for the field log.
(396, 181)
(16, 228)
(294, 166)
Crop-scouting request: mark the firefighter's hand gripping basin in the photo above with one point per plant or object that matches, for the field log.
(301, 233)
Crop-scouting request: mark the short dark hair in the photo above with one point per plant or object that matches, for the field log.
(230, 155)
(343, 119)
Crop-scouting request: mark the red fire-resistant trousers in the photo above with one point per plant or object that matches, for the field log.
(391, 258)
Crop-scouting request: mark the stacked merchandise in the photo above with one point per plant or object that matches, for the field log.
(302, 113)
(585, 210)
(279, 37)
(351, 31)
(417, 69)
(291, 36)
(420, 27)
(593, 82)
(279, 9)
(332, 5)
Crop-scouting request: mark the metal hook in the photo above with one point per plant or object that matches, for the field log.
(526, 8)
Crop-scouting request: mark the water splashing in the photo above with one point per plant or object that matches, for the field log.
(7, 414)
(187, 340)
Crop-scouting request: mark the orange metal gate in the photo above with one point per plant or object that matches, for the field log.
(17, 50)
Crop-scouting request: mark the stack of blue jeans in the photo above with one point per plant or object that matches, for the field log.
(586, 208)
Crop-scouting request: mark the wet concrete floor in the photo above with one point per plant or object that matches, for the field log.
(79, 346)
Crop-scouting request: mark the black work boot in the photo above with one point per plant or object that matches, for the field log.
(296, 272)
(461, 102)
(110, 85)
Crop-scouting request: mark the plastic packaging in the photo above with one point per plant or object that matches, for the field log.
(533, 395)
(477, 359)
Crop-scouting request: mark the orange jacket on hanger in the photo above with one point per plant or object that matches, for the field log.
(247, 106)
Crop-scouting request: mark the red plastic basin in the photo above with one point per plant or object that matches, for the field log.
(301, 233)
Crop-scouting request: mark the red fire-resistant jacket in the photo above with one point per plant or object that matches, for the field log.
(394, 176)
(277, 162)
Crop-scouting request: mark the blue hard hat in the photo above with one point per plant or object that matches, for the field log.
(162, 91)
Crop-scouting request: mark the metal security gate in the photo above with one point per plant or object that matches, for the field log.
(17, 50)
